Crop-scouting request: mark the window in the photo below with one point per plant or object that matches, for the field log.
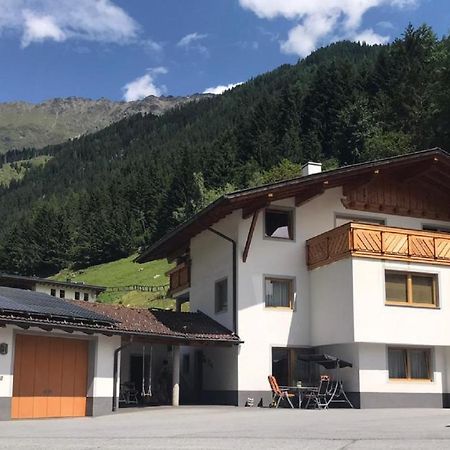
(289, 369)
(86, 297)
(62, 293)
(77, 296)
(221, 295)
(341, 219)
(278, 224)
(411, 289)
(409, 363)
(53, 292)
(279, 292)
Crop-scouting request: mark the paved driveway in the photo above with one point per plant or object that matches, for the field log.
(237, 428)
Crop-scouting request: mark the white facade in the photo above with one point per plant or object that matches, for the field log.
(69, 291)
(338, 308)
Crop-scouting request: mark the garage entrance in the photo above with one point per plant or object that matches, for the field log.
(50, 377)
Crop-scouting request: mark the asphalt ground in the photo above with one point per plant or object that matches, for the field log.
(236, 428)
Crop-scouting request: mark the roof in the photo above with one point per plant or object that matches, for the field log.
(43, 306)
(29, 308)
(301, 186)
(6, 277)
(185, 325)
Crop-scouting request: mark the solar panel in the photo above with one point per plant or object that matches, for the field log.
(23, 301)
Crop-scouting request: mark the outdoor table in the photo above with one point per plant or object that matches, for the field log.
(301, 390)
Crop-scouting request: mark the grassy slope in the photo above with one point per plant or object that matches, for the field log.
(125, 272)
(17, 170)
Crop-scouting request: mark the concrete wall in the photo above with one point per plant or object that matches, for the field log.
(332, 303)
(6, 373)
(100, 369)
(212, 260)
(400, 324)
(101, 386)
(377, 390)
(220, 375)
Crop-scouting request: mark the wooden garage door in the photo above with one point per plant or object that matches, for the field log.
(50, 377)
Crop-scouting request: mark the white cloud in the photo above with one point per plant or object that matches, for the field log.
(370, 37)
(152, 46)
(144, 86)
(318, 22)
(221, 88)
(40, 28)
(192, 42)
(187, 40)
(59, 20)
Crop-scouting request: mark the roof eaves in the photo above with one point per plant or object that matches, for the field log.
(309, 179)
(222, 199)
(35, 322)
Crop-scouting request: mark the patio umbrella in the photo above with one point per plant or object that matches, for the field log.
(327, 361)
(331, 362)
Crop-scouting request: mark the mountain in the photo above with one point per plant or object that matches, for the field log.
(53, 121)
(103, 195)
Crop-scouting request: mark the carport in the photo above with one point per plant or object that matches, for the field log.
(62, 358)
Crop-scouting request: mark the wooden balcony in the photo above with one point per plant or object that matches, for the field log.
(378, 241)
(179, 278)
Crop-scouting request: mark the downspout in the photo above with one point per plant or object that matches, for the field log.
(115, 371)
(233, 242)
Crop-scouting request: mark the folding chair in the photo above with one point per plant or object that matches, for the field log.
(319, 396)
(279, 394)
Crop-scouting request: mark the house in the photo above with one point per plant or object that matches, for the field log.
(67, 358)
(352, 262)
(61, 289)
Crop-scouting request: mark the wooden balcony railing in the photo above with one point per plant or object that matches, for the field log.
(179, 278)
(378, 241)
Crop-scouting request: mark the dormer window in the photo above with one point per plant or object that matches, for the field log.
(278, 224)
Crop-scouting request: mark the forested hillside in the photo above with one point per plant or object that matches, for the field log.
(102, 196)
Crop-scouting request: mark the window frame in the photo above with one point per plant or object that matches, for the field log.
(409, 290)
(53, 292)
(77, 295)
(292, 291)
(62, 293)
(291, 226)
(216, 305)
(86, 296)
(407, 365)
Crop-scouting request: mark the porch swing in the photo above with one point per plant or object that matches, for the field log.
(146, 392)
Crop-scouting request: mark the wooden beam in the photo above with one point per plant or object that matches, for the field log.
(250, 235)
(433, 184)
(408, 175)
(305, 196)
(248, 211)
(358, 182)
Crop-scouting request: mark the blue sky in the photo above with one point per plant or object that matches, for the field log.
(126, 49)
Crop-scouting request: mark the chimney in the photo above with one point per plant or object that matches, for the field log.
(311, 168)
